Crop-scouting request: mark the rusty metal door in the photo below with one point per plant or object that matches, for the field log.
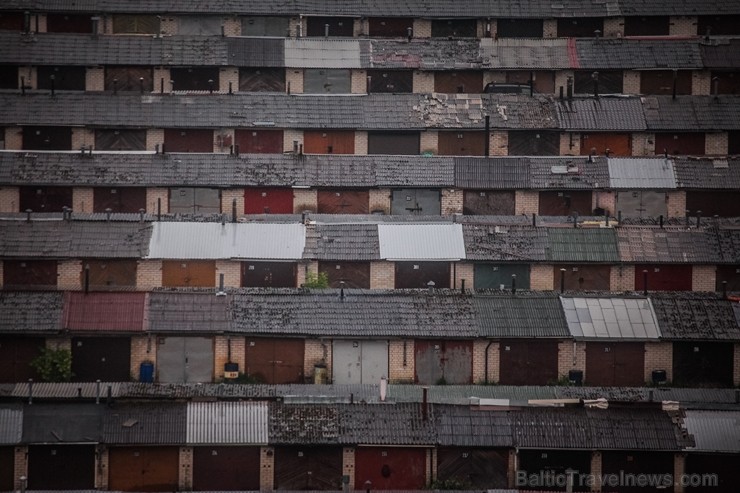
(729, 273)
(488, 203)
(668, 277)
(16, 354)
(107, 359)
(61, 467)
(652, 464)
(456, 28)
(69, 23)
(259, 141)
(419, 274)
(268, 201)
(226, 468)
(125, 199)
(47, 138)
(714, 203)
(528, 361)
(274, 361)
(329, 142)
(184, 359)
(406, 143)
(269, 274)
(338, 26)
(565, 203)
(467, 81)
(356, 275)
(343, 202)
(416, 202)
(534, 143)
(7, 468)
(584, 277)
(580, 27)
(443, 362)
(143, 468)
(64, 78)
(687, 143)
(660, 82)
(619, 144)
(390, 27)
(498, 276)
(120, 140)
(22, 274)
(45, 199)
(618, 364)
(262, 79)
(391, 468)
(194, 78)
(109, 273)
(461, 143)
(189, 273)
(703, 364)
(544, 80)
(129, 79)
(359, 361)
(642, 203)
(188, 140)
(391, 81)
(481, 469)
(308, 468)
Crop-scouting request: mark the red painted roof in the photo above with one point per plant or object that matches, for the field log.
(101, 312)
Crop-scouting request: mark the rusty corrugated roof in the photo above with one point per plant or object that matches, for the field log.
(104, 312)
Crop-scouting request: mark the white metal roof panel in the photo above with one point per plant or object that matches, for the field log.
(171, 240)
(321, 53)
(610, 318)
(714, 431)
(11, 424)
(631, 173)
(227, 422)
(421, 241)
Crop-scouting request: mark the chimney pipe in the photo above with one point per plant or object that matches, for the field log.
(462, 286)
(688, 219)
(95, 26)
(26, 22)
(487, 141)
(383, 388)
(575, 219)
(141, 215)
(531, 83)
(534, 219)
(368, 83)
(97, 391)
(561, 93)
(326, 30)
(159, 208)
(156, 148)
(52, 84)
(660, 219)
(108, 212)
(675, 83)
(236, 150)
(698, 218)
(141, 85)
(87, 278)
(562, 280)
(619, 217)
(23, 85)
(513, 284)
(221, 287)
(351, 397)
(341, 290)
(409, 33)
(210, 86)
(230, 88)
(569, 89)
(724, 290)
(79, 392)
(109, 396)
(233, 210)
(161, 85)
(231, 150)
(606, 219)
(715, 88)
(645, 282)
(30, 390)
(223, 219)
(430, 286)
(595, 78)
(163, 149)
(300, 149)
(287, 88)
(28, 215)
(115, 87)
(424, 403)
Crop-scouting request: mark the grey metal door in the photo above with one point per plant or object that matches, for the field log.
(642, 203)
(498, 276)
(416, 202)
(185, 359)
(359, 361)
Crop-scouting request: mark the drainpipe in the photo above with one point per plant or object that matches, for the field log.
(488, 346)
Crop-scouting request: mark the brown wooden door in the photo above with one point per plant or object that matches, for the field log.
(391, 468)
(703, 364)
(275, 361)
(528, 362)
(534, 143)
(343, 202)
(45, 199)
(7, 468)
(129, 79)
(143, 468)
(130, 200)
(16, 354)
(584, 277)
(69, 23)
(47, 138)
(195, 78)
(461, 143)
(714, 203)
(686, 143)
(354, 274)
(308, 468)
(406, 143)
(189, 273)
(226, 468)
(268, 201)
(468, 81)
(556, 462)
(443, 362)
(664, 277)
(660, 82)
(718, 25)
(107, 359)
(390, 27)
(544, 80)
(269, 274)
(329, 142)
(120, 140)
(259, 141)
(29, 273)
(61, 467)
(391, 81)
(456, 28)
(109, 273)
(262, 80)
(653, 464)
(338, 26)
(620, 364)
(9, 78)
(64, 78)
(419, 274)
(619, 144)
(488, 202)
(519, 28)
(188, 140)
(731, 274)
(609, 82)
(481, 469)
(565, 203)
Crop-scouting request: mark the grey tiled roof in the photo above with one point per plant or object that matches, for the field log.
(605, 113)
(187, 312)
(343, 242)
(362, 313)
(324, 53)
(256, 52)
(303, 424)
(695, 316)
(714, 431)
(678, 7)
(702, 173)
(519, 111)
(387, 424)
(582, 245)
(524, 53)
(727, 243)
(467, 427)
(527, 314)
(692, 113)
(426, 54)
(626, 53)
(62, 423)
(417, 171)
(159, 423)
(721, 53)
(568, 173)
(670, 245)
(492, 173)
(28, 312)
(505, 243)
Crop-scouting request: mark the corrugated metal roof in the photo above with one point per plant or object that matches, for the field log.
(633, 173)
(373, 424)
(714, 431)
(107, 312)
(605, 113)
(188, 312)
(68, 390)
(667, 245)
(304, 424)
(323, 53)
(491, 173)
(160, 423)
(582, 245)
(612, 318)
(11, 424)
(505, 243)
(421, 241)
(525, 53)
(354, 242)
(223, 241)
(695, 315)
(30, 311)
(704, 174)
(467, 427)
(62, 423)
(214, 423)
(528, 316)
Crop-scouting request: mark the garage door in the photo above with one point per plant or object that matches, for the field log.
(359, 361)
(143, 468)
(184, 359)
(45, 199)
(418, 274)
(584, 277)
(343, 202)
(107, 359)
(488, 203)
(25, 273)
(478, 468)
(275, 361)
(268, 201)
(618, 144)
(110, 273)
(226, 468)
(61, 467)
(443, 362)
(565, 203)
(268, 274)
(259, 141)
(702, 364)
(354, 274)
(642, 203)
(308, 468)
(16, 354)
(498, 276)
(189, 273)
(619, 364)
(664, 277)
(528, 362)
(416, 202)
(119, 199)
(391, 468)
(468, 143)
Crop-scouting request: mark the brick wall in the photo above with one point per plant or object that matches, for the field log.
(82, 200)
(716, 143)
(541, 277)
(493, 76)
(228, 75)
(227, 201)
(304, 200)
(28, 76)
(162, 73)
(382, 275)
(13, 138)
(169, 26)
(422, 28)
(380, 200)
(221, 353)
(423, 82)
(605, 200)
(185, 478)
(232, 27)
(295, 22)
(42, 23)
(101, 468)
(658, 356)
(736, 366)
(20, 467)
(398, 372)
(360, 143)
(561, 80)
(155, 196)
(613, 27)
(452, 201)
(154, 138)
(68, 274)
(9, 199)
(676, 204)
(222, 140)
(430, 467)
(571, 356)
(550, 28)
(289, 136)
(683, 26)
(267, 468)
(429, 141)
(701, 83)
(294, 81)
(499, 143)
(95, 79)
(643, 144)
(679, 469)
(460, 271)
(231, 269)
(631, 82)
(622, 278)
(479, 361)
(570, 144)
(348, 466)
(82, 137)
(143, 348)
(358, 82)
(359, 27)
(58, 343)
(301, 274)
(703, 278)
(596, 470)
(512, 467)
(526, 202)
(316, 351)
(148, 274)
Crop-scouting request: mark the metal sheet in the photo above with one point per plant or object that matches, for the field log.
(275, 361)
(389, 27)
(143, 468)
(397, 143)
(457, 28)
(613, 318)
(119, 312)
(321, 53)
(664, 277)
(692, 144)
(620, 364)
(499, 276)
(227, 422)
(528, 362)
(642, 203)
(713, 203)
(354, 275)
(109, 274)
(617, 144)
(226, 468)
(65, 78)
(584, 277)
(329, 142)
(268, 201)
(443, 362)
(129, 79)
(265, 26)
(565, 203)
(259, 141)
(188, 140)
(391, 468)
(455, 143)
(26, 273)
(184, 359)
(359, 361)
(639, 173)
(702, 364)
(534, 143)
(390, 81)
(489, 203)
(45, 199)
(416, 202)
(308, 468)
(192, 273)
(458, 82)
(714, 431)
(11, 424)
(343, 201)
(107, 359)
(330, 26)
(478, 468)
(61, 467)
(660, 82)
(269, 274)
(409, 275)
(421, 241)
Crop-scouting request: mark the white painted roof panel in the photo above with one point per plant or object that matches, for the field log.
(714, 431)
(322, 53)
(421, 241)
(611, 318)
(211, 423)
(641, 173)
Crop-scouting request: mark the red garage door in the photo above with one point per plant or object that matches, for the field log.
(391, 468)
(268, 201)
(663, 277)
